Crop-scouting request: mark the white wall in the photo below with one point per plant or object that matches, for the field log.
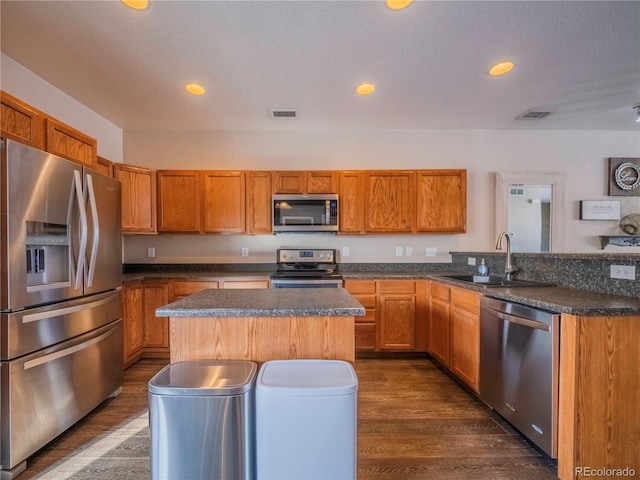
(22, 83)
(581, 155)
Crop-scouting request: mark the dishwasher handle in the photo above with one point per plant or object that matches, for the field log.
(525, 322)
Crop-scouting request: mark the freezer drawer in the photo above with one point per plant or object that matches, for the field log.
(30, 330)
(46, 392)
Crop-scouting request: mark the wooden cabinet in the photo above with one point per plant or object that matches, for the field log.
(308, 182)
(104, 166)
(133, 325)
(396, 314)
(224, 202)
(183, 289)
(245, 284)
(69, 143)
(365, 327)
(465, 336)
(21, 122)
(178, 201)
(439, 323)
(390, 198)
(138, 198)
(455, 331)
(351, 202)
(258, 199)
(441, 201)
(156, 329)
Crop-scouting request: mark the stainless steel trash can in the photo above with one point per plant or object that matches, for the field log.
(202, 420)
(306, 420)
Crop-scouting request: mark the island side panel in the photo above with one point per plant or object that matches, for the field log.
(261, 339)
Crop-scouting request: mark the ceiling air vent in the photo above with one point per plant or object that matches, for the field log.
(284, 113)
(534, 115)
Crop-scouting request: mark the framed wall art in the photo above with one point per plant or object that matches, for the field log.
(624, 176)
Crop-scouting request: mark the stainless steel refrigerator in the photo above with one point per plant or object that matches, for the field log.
(61, 307)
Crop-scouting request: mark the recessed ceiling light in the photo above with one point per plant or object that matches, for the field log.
(365, 88)
(136, 4)
(194, 89)
(500, 69)
(398, 4)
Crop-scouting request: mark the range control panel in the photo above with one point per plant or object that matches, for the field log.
(301, 255)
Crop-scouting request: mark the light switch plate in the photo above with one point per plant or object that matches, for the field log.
(151, 252)
(245, 251)
(345, 251)
(471, 260)
(398, 251)
(430, 252)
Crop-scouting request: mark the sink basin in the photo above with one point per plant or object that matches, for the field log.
(495, 281)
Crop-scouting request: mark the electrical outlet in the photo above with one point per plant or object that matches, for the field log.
(345, 251)
(398, 251)
(471, 261)
(408, 251)
(245, 251)
(151, 252)
(624, 272)
(430, 252)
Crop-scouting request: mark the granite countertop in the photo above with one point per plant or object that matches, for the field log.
(204, 276)
(261, 302)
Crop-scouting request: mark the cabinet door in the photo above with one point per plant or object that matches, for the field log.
(21, 122)
(288, 182)
(442, 201)
(104, 166)
(365, 327)
(465, 351)
(390, 201)
(178, 201)
(156, 337)
(69, 143)
(322, 182)
(184, 289)
(351, 198)
(224, 197)
(258, 202)
(397, 302)
(440, 330)
(138, 198)
(133, 325)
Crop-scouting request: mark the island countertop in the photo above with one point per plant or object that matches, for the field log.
(269, 302)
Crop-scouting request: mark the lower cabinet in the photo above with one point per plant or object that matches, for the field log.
(133, 325)
(455, 331)
(156, 329)
(396, 314)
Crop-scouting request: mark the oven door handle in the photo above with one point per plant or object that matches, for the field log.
(525, 322)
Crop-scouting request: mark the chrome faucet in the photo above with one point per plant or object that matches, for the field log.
(509, 269)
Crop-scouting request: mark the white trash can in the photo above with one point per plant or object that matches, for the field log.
(201, 420)
(306, 423)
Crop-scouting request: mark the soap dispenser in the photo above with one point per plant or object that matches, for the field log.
(483, 269)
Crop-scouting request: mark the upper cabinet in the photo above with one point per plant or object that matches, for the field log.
(21, 122)
(441, 201)
(390, 198)
(138, 198)
(258, 199)
(224, 202)
(351, 198)
(179, 201)
(305, 182)
(69, 143)
(104, 166)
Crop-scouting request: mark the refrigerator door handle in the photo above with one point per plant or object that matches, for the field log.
(77, 181)
(96, 231)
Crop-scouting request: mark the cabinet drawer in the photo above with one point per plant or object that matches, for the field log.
(184, 289)
(440, 291)
(397, 286)
(365, 336)
(360, 286)
(367, 301)
(465, 300)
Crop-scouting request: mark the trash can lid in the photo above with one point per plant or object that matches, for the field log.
(205, 377)
(306, 377)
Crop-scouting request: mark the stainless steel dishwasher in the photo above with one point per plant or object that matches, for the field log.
(519, 364)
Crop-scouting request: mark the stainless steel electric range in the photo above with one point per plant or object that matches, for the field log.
(306, 268)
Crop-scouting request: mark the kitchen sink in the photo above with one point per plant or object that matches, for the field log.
(495, 281)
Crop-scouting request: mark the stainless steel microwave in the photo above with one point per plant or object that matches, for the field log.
(305, 213)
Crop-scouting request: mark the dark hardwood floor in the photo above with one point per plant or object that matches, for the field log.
(414, 422)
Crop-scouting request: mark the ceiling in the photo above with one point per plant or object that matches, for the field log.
(429, 62)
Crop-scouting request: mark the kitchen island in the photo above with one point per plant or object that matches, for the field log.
(263, 324)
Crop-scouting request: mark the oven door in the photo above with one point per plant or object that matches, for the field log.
(306, 283)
